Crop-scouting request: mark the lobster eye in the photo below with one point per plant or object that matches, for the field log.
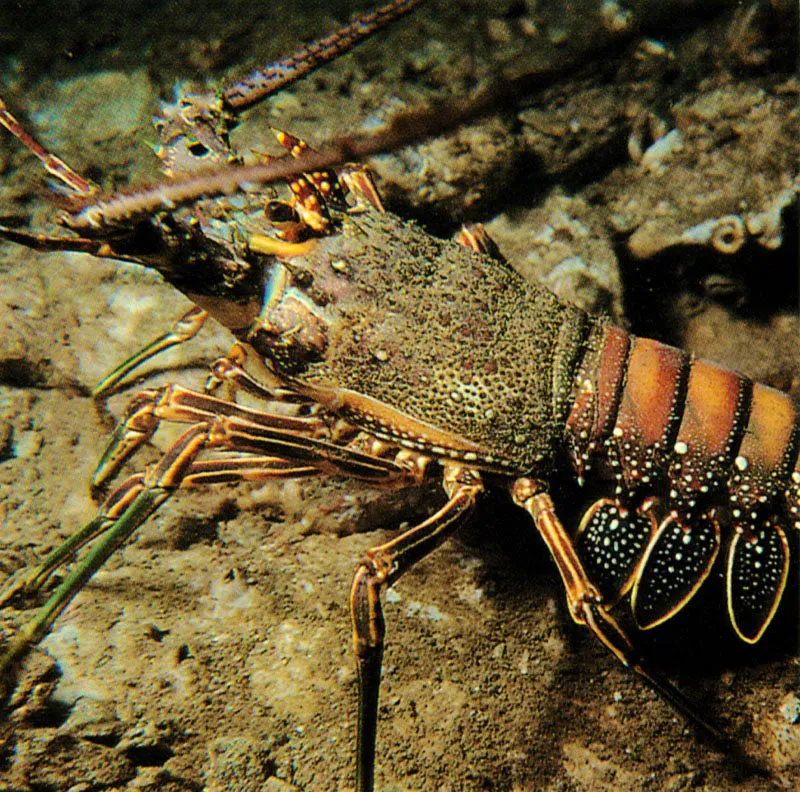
(197, 149)
(280, 212)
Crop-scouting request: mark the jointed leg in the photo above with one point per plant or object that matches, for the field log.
(28, 581)
(182, 329)
(380, 567)
(151, 490)
(178, 404)
(229, 372)
(259, 451)
(586, 604)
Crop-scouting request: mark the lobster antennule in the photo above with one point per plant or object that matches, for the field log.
(52, 164)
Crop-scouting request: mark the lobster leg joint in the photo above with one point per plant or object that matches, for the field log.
(582, 595)
(381, 566)
(587, 606)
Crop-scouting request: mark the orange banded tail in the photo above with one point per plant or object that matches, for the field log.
(711, 453)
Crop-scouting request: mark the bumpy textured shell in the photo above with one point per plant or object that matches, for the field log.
(434, 331)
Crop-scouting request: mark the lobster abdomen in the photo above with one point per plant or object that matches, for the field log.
(692, 447)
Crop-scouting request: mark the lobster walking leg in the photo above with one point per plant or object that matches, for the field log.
(184, 328)
(156, 487)
(28, 581)
(586, 604)
(181, 405)
(381, 566)
(229, 372)
(262, 450)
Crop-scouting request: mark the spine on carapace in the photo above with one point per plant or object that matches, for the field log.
(710, 448)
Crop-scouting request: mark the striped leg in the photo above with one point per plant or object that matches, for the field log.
(28, 581)
(181, 405)
(586, 605)
(379, 568)
(182, 329)
(259, 452)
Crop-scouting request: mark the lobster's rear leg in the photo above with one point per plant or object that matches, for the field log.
(587, 605)
(148, 493)
(382, 566)
(126, 509)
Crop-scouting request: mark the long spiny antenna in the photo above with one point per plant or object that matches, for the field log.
(264, 82)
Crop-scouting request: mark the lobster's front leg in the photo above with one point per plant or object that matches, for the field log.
(129, 507)
(183, 329)
(380, 567)
(254, 449)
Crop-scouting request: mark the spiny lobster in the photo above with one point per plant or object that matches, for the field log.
(401, 359)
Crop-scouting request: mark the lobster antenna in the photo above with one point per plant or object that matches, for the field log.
(52, 164)
(264, 82)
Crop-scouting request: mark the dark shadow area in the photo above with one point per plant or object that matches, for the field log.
(697, 650)
(696, 643)
(755, 284)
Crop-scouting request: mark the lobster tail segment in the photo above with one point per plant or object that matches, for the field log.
(697, 453)
(612, 540)
(675, 565)
(686, 545)
(763, 472)
(758, 565)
